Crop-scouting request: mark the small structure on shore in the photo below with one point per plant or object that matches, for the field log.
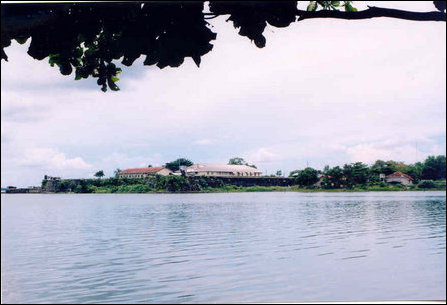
(399, 177)
(144, 172)
(16, 190)
(222, 170)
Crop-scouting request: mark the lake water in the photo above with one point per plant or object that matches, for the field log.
(228, 247)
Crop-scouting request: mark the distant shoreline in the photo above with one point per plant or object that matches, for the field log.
(294, 188)
(260, 189)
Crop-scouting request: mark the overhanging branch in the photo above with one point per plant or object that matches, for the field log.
(373, 12)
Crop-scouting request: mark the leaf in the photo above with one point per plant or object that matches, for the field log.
(4, 56)
(335, 3)
(324, 4)
(21, 40)
(65, 68)
(53, 59)
(312, 6)
(440, 5)
(349, 7)
(196, 60)
(78, 75)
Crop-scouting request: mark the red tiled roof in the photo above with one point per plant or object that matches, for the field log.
(143, 170)
(399, 174)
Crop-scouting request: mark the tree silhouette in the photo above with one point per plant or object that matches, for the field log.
(88, 37)
(175, 165)
(99, 174)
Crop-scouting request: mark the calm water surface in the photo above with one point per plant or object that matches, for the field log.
(239, 247)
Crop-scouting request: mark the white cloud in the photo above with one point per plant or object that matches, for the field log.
(263, 155)
(203, 142)
(279, 107)
(395, 149)
(51, 159)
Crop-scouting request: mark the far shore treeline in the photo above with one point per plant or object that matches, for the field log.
(430, 174)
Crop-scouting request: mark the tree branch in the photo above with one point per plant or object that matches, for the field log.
(373, 12)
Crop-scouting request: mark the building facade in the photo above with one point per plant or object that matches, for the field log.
(399, 177)
(222, 170)
(144, 172)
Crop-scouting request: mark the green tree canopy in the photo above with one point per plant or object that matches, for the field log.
(415, 171)
(384, 167)
(175, 165)
(307, 177)
(359, 173)
(90, 38)
(334, 177)
(116, 172)
(237, 161)
(434, 168)
(294, 173)
(240, 161)
(99, 174)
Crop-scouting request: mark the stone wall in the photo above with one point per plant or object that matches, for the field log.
(246, 181)
(53, 186)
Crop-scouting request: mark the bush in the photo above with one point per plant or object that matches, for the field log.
(426, 184)
(78, 189)
(440, 184)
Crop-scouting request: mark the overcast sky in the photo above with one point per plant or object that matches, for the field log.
(321, 92)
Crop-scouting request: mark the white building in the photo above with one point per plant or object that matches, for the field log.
(398, 177)
(144, 172)
(222, 170)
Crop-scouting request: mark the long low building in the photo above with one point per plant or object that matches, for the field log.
(144, 172)
(222, 170)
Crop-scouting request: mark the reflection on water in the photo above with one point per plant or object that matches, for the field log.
(241, 247)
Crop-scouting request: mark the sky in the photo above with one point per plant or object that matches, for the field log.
(322, 92)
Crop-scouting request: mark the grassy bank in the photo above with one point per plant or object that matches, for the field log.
(178, 184)
(242, 189)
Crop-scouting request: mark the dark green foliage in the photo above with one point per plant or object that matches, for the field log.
(252, 16)
(294, 172)
(426, 184)
(78, 189)
(99, 174)
(334, 178)
(383, 167)
(237, 161)
(240, 161)
(116, 172)
(175, 165)
(83, 187)
(359, 173)
(86, 38)
(331, 5)
(434, 168)
(68, 186)
(307, 177)
(440, 5)
(415, 171)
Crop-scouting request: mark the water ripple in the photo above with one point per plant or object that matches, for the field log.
(215, 248)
